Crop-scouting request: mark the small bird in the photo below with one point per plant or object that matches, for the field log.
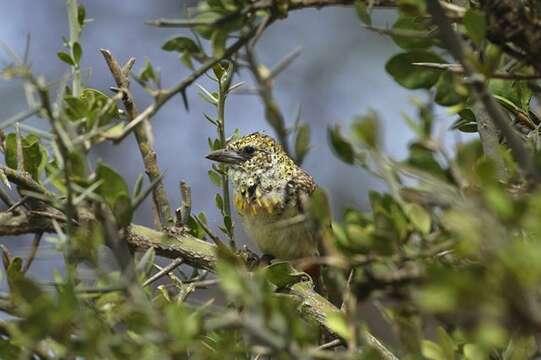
(270, 195)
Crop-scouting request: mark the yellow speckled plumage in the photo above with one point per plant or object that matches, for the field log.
(269, 190)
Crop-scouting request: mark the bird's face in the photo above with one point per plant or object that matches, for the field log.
(251, 154)
(259, 170)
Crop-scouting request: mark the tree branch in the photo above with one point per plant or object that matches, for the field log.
(143, 136)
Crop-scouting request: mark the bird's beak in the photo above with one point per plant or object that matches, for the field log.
(226, 156)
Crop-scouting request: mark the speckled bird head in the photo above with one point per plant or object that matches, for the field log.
(258, 167)
(254, 155)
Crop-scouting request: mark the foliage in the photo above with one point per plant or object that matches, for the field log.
(450, 256)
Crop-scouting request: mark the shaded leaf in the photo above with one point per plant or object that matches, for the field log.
(77, 51)
(180, 44)
(411, 24)
(342, 147)
(362, 12)
(475, 24)
(302, 142)
(410, 76)
(65, 58)
(282, 274)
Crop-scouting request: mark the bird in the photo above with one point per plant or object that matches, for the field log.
(270, 195)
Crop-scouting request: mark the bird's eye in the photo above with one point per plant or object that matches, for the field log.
(249, 150)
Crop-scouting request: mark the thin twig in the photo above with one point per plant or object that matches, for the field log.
(206, 229)
(184, 212)
(331, 344)
(204, 283)
(172, 266)
(33, 252)
(20, 117)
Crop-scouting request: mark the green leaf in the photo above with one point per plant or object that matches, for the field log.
(474, 352)
(365, 130)
(338, 324)
(34, 154)
(81, 15)
(446, 94)
(113, 185)
(362, 12)
(466, 122)
(65, 58)
(219, 203)
(283, 275)
(446, 343)
(342, 147)
(410, 76)
(215, 178)
(145, 263)
(419, 217)
(319, 207)
(219, 71)
(54, 176)
(520, 348)
(77, 51)
(424, 159)
(432, 351)
(123, 210)
(302, 142)
(138, 185)
(218, 40)
(412, 7)
(228, 225)
(513, 95)
(181, 44)
(475, 24)
(147, 73)
(413, 25)
(89, 106)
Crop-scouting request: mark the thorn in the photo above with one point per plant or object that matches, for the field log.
(185, 100)
(126, 68)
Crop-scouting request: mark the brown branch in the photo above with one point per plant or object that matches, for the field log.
(24, 180)
(143, 136)
(452, 41)
(183, 213)
(166, 270)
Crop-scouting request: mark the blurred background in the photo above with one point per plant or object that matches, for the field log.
(339, 74)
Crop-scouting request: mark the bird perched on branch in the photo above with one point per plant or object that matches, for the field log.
(271, 193)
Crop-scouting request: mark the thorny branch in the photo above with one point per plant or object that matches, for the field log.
(143, 136)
